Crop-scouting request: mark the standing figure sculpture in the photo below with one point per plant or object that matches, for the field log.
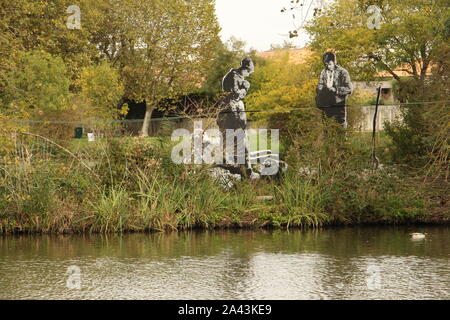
(232, 117)
(334, 87)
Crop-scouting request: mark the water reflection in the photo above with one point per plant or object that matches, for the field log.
(341, 263)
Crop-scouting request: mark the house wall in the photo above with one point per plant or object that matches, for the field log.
(386, 113)
(372, 88)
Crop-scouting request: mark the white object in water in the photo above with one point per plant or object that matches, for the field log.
(417, 236)
(91, 137)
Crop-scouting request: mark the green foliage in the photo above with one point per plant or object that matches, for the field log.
(410, 34)
(100, 92)
(373, 198)
(111, 211)
(163, 48)
(422, 136)
(280, 84)
(41, 25)
(300, 202)
(31, 198)
(138, 190)
(38, 85)
(297, 127)
(409, 142)
(160, 49)
(413, 38)
(227, 56)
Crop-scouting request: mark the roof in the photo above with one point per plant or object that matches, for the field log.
(404, 71)
(299, 56)
(296, 56)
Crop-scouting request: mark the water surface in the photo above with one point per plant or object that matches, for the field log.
(342, 263)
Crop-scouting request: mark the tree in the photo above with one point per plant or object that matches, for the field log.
(279, 84)
(37, 86)
(408, 38)
(227, 55)
(42, 24)
(412, 38)
(162, 48)
(101, 90)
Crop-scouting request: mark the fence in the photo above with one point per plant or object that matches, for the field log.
(63, 131)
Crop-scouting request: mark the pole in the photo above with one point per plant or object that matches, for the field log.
(375, 160)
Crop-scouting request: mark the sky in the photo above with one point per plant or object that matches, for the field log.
(260, 23)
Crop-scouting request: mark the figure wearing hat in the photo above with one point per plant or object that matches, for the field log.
(232, 115)
(334, 87)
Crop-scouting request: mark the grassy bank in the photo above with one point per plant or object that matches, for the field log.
(120, 185)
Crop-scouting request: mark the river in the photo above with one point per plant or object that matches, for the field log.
(335, 263)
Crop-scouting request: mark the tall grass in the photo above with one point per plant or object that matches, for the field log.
(299, 202)
(111, 211)
(30, 199)
(136, 187)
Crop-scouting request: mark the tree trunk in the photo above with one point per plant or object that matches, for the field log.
(423, 72)
(146, 126)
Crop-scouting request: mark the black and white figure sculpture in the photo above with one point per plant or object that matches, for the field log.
(232, 115)
(240, 162)
(334, 87)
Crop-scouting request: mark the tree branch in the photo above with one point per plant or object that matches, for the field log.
(385, 66)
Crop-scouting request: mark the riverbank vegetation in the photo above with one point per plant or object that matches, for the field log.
(131, 184)
(53, 79)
